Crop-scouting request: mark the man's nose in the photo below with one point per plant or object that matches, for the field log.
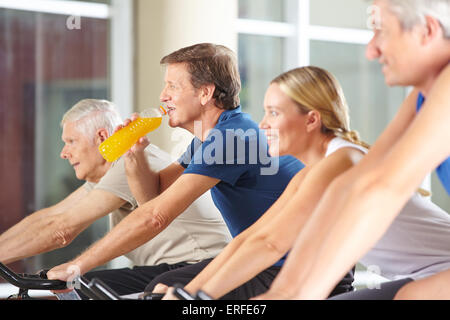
(163, 96)
(373, 51)
(64, 153)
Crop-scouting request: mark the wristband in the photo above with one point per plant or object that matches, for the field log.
(202, 295)
(181, 294)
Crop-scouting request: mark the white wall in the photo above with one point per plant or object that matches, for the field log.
(163, 26)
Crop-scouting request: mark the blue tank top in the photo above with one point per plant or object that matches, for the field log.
(443, 171)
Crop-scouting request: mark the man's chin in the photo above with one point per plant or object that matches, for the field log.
(172, 123)
(392, 81)
(80, 176)
(389, 82)
(175, 124)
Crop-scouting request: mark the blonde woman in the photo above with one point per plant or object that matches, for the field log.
(306, 116)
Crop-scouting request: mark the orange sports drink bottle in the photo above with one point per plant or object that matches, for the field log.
(121, 141)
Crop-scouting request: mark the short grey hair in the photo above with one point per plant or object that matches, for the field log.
(413, 12)
(91, 115)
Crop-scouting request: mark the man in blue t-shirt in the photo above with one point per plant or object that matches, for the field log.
(250, 181)
(228, 156)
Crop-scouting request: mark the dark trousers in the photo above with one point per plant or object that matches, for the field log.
(387, 291)
(256, 286)
(128, 281)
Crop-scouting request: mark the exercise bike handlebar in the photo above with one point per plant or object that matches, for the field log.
(36, 282)
(94, 289)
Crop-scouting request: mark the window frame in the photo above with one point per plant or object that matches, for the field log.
(120, 13)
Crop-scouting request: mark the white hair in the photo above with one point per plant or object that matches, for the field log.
(413, 12)
(91, 115)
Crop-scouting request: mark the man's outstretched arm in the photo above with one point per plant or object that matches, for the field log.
(140, 226)
(55, 227)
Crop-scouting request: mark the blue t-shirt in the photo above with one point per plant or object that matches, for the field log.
(236, 152)
(443, 170)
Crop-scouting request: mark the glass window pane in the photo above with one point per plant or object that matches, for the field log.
(45, 69)
(99, 1)
(342, 14)
(260, 60)
(372, 104)
(263, 10)
(439, 195)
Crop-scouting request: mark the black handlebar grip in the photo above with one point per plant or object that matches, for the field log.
(30, 283)
(152, 296)
(43, 274)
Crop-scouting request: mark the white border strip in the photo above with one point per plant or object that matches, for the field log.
(342, 35)
(62, 7)
(7, 289)
(368, 279)
(265, 28)
(122, 56)
(303, 33)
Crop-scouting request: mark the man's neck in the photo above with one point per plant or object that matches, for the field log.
(208, 120)
(426, 86)
(102, 170)
(440, 62)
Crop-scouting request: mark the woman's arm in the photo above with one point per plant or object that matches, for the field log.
(233, 246)
(275, 234)
(365, 202)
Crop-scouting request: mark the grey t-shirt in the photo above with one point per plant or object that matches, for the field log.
(416, 245)
(198, 233)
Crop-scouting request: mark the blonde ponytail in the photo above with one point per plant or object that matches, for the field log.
(352, 136)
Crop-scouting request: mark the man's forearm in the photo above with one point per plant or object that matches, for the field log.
(137, 228)
(141, 225)
(360, 224)
(35, 234)
(23, 225)
(340, 231)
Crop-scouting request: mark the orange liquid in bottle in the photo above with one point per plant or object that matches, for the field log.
(121, 141)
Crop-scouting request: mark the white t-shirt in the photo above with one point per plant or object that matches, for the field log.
(417, 244)
(196, 234)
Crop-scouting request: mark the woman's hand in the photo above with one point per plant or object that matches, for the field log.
(162, 288)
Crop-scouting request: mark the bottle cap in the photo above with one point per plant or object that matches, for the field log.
(163, 110)
(153, 112)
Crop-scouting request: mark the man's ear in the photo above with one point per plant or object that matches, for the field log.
(431, 30)
(313, 120)
(101, 135)
(207, 93)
